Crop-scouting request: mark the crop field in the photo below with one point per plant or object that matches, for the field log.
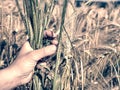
(88, 54)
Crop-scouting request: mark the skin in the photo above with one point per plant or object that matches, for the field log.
(22, 69)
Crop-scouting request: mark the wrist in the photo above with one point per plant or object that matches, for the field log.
(8, 78)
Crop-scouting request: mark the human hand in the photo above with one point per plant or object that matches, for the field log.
(23, 67)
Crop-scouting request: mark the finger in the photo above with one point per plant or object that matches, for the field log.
(41, 53)
(54, 42)
(49, 33)
(26, 48)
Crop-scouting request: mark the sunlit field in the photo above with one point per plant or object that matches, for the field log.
(88, 54)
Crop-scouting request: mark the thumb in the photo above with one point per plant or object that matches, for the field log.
(36, 55)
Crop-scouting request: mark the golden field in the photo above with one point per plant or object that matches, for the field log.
(90, 44)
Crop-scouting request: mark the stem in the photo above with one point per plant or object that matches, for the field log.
(56, 80)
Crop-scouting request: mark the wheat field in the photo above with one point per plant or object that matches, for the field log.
(89, 46)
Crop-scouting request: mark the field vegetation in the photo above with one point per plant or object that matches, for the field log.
(88, 54)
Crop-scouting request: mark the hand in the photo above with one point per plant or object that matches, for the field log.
(23, 67)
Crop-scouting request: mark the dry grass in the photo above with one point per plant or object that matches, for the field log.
(91, 54)
(98, 44)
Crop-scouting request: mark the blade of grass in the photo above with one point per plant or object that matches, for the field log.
(56, 81)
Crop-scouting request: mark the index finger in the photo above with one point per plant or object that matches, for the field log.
(49, 33)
